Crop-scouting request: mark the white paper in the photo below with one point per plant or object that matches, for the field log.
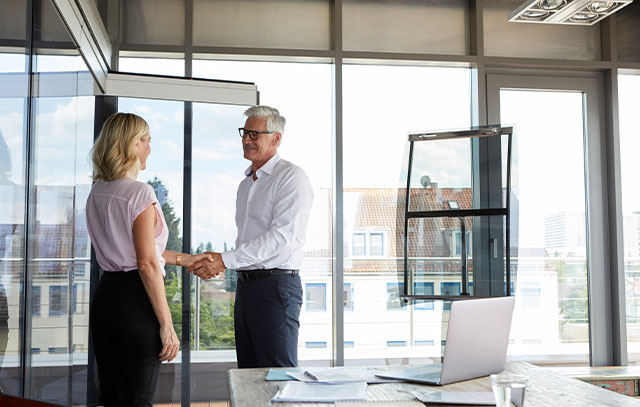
(457, 397)
(299, 391)
(340, 376)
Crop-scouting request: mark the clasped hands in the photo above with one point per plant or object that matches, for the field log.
(208, 267)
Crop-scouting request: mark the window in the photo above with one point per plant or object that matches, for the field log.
(36, 301)
(458, 245)
(376, 244)
(393, 296)
(74, 297)
(348, 344)
(422, 288)
(58, 300)
(396, 344)
(316, 344)
(359, 244)
(449, 288)
(348, 297)
(370, 205)
(530, 294)
(316, 296)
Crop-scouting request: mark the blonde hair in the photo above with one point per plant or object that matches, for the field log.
(114, 152)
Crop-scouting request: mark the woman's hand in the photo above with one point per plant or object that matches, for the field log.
(190, 259)
(170, 343)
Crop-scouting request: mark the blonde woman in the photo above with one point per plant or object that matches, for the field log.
(130, 319)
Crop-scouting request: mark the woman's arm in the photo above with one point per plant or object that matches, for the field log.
(186, 260)
(151, 276)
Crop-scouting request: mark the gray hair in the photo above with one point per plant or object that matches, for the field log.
(275, 122)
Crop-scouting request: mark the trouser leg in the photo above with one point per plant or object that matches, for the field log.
(244, 346)
(272, 314)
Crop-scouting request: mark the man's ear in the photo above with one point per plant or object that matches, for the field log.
(277, 136)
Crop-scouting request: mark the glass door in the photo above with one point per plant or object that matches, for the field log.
(557, 207)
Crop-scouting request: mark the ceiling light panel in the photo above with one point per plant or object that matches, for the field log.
(572, 12)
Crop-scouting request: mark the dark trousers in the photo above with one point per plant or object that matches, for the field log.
(267, 318)
(126, 340)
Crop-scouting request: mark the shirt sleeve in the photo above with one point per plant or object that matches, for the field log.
(292, 205)
(142, 199)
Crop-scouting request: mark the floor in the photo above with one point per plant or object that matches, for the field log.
(196, 404)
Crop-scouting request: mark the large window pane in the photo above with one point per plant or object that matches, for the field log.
(550, 316)
(13, 116)
(629, 96)
(58, 243)
(382, 104)
(302, 93)
(165, 174)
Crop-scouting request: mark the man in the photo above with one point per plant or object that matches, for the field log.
(272, 210)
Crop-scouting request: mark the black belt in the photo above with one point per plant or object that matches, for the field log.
(248, 275)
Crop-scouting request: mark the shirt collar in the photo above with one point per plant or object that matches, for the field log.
(267, 168)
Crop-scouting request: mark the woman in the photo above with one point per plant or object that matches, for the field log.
(130, 319)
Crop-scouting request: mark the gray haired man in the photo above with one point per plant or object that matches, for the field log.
(272, 209)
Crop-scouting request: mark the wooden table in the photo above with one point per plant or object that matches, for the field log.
(621, 379)
(248, 388)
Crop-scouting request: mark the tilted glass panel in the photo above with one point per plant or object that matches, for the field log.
(442, 175)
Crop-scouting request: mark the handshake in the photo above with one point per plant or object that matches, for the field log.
(207, 265)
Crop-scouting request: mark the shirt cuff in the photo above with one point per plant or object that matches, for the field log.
(229, 260)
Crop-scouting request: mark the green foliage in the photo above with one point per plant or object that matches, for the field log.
(216, 322)
(173, 223)
(216, 314)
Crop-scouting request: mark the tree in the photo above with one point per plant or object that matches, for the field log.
(173, 286)
(216, 314)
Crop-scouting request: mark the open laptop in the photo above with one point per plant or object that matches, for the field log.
(477, 340)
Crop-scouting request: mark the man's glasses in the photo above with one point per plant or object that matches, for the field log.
(253, 135)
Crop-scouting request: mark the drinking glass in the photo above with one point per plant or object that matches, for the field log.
(508, 388)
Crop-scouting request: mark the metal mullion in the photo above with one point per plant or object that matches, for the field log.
(614, 196)
(26, 307)
(338, 193)
(457, 213)
(186, 214)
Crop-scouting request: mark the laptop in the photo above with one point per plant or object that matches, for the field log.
(477, 340)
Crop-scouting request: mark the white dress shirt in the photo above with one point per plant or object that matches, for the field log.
(271, 215)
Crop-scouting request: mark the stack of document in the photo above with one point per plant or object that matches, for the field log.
(325, 393)
(343, 375)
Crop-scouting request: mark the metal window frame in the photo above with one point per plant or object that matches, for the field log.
(607, 329)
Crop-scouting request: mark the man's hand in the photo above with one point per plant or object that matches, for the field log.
(206, 269)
